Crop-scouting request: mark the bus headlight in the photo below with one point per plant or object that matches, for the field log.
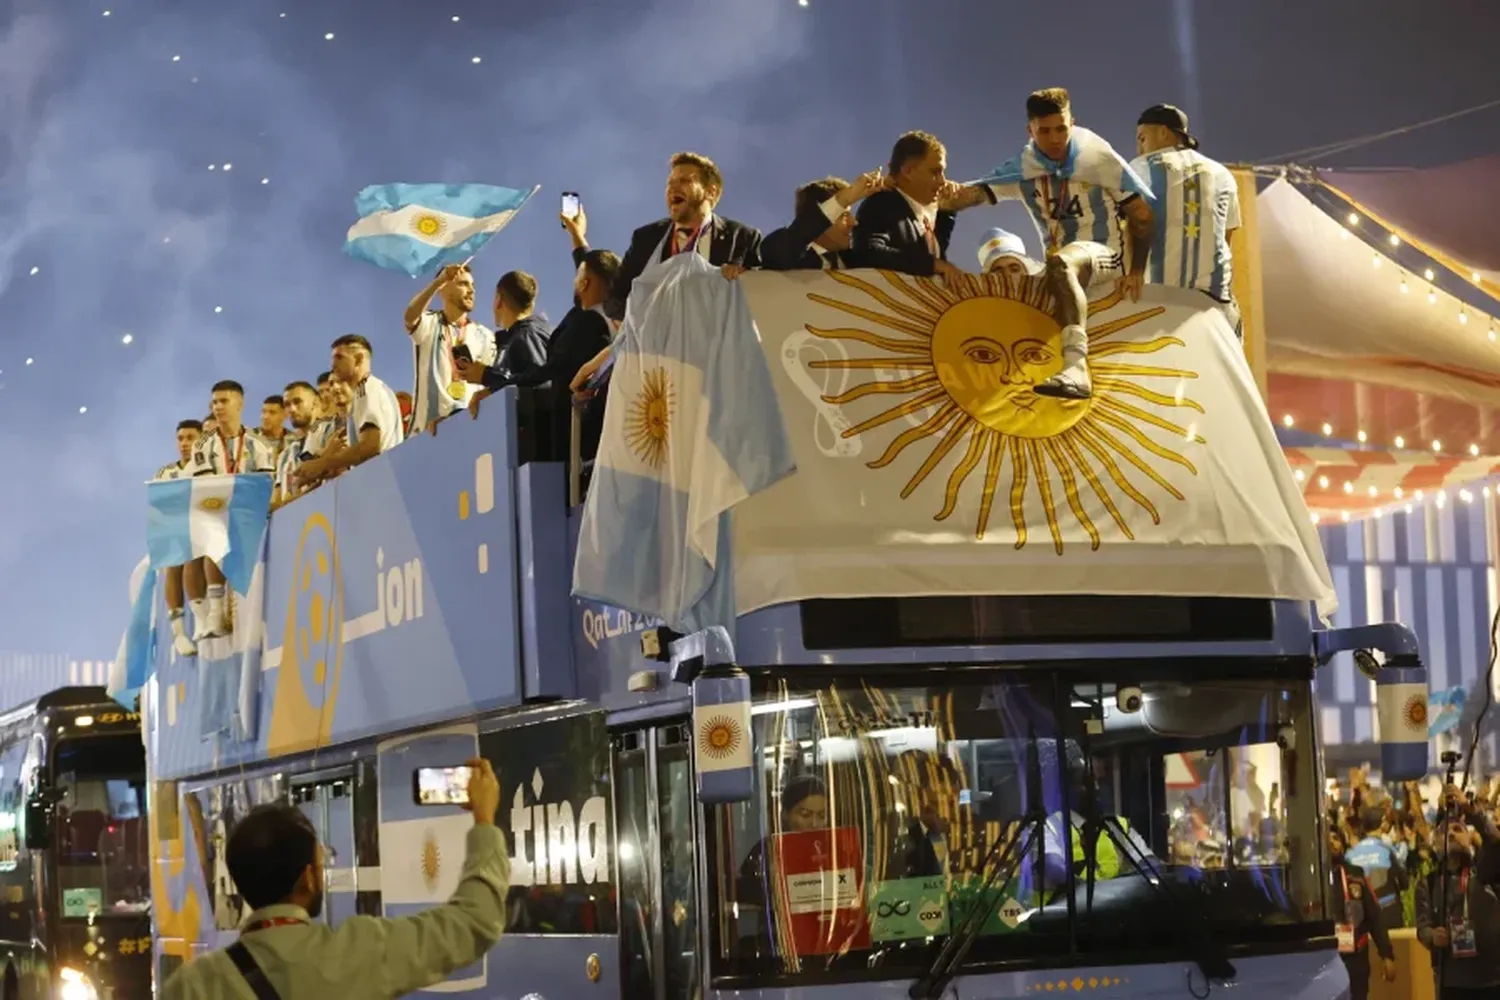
(74, 985)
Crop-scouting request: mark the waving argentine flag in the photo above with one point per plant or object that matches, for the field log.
(1076, 198)
(418, 228)
(692, 428)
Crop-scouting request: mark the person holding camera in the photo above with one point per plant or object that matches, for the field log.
(1357, 921)
(285, 953)
(1458, 914)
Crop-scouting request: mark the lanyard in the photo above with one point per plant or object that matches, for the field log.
(1344, 878)
(692, 243)
(1054, 214)
(1463, 890)
(232, 465)
(269, 922)
(455, 340)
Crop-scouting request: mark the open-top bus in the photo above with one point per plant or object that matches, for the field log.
(1012, 785)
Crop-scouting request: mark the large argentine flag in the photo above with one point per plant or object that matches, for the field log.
(691, 429)
(221, 517)
(422, 848)
(418, 228)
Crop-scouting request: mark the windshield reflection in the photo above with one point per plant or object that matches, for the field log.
(883, 807)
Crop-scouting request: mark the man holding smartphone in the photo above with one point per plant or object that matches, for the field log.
(276, 862)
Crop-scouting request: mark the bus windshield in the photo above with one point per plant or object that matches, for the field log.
(103, 866)
(883, 806)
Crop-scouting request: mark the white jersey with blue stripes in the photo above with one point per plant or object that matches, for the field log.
(1076, 199)
(1197, 204)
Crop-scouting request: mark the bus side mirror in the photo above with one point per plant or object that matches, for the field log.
(38, 821)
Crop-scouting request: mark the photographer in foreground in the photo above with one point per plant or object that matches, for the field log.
(283, 953)
(1458, 914)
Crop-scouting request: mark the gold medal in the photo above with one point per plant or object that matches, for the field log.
(456, 390)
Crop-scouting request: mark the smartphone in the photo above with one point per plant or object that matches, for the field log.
(441, 786)
(571, 204)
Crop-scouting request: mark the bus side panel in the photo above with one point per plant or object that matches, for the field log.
(17, 905)
(366, 577)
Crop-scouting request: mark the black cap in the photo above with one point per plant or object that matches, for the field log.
(1171, 117)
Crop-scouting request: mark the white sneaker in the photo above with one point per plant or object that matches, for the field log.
(183, 645)
(1073, 381)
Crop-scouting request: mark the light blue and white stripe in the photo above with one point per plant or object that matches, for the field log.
(221, 517)
(137, 653)
(691, 429)
(419, 228)
(1097, 180)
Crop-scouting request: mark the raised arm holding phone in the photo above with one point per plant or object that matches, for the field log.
(276, 861)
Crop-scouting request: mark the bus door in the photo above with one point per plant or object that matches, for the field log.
(656, 825)
(327, 800)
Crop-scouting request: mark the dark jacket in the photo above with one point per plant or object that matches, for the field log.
(1360, 909)
(582, 334)
(888, 235)
(524, 347)
(789, 249)
(1483, 969)
(732, 243)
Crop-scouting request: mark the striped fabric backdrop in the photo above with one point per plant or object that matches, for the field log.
(1432, 569)
(27, 676)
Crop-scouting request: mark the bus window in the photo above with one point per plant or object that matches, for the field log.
(882, 810)
(555, 807)
(635, 846)
(328, 805)
(102, 841)
(679, 883)
(1194, 780)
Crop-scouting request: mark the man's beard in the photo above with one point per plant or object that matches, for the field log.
(1462, 857)
(315, 905)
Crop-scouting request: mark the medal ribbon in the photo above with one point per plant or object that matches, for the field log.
(269, 922)
(692, 243)
(455, 341)
(232, 465)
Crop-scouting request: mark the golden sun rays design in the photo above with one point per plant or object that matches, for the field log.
(429, 225)
(648, 419)
(719, 737)
(432, 861)
(968, 356)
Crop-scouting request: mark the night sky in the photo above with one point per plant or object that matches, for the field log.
(181, 173)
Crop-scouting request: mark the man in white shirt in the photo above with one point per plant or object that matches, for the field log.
(1076, 188)
(440, 338)
(272, 429)
(188, 432)
(304, 409)
(232, 449)
(374, 425)
(1197, 209)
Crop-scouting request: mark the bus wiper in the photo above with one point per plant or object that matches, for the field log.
(999, 864)
(1203, 948)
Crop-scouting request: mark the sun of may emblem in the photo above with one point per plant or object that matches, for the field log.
(719, 737)
(429, 225)
(648, 419)
(1416, 712)
(213, 503)
(967, 357)
(432, 861)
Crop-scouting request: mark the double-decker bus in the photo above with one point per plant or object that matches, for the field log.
(1006, 788)
(74, 854)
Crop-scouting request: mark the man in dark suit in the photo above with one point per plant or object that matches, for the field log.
(905, 227)
(582, 334)
(821, 236)
(691, 226)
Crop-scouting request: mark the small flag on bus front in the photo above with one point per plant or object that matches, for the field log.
(722, 747)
